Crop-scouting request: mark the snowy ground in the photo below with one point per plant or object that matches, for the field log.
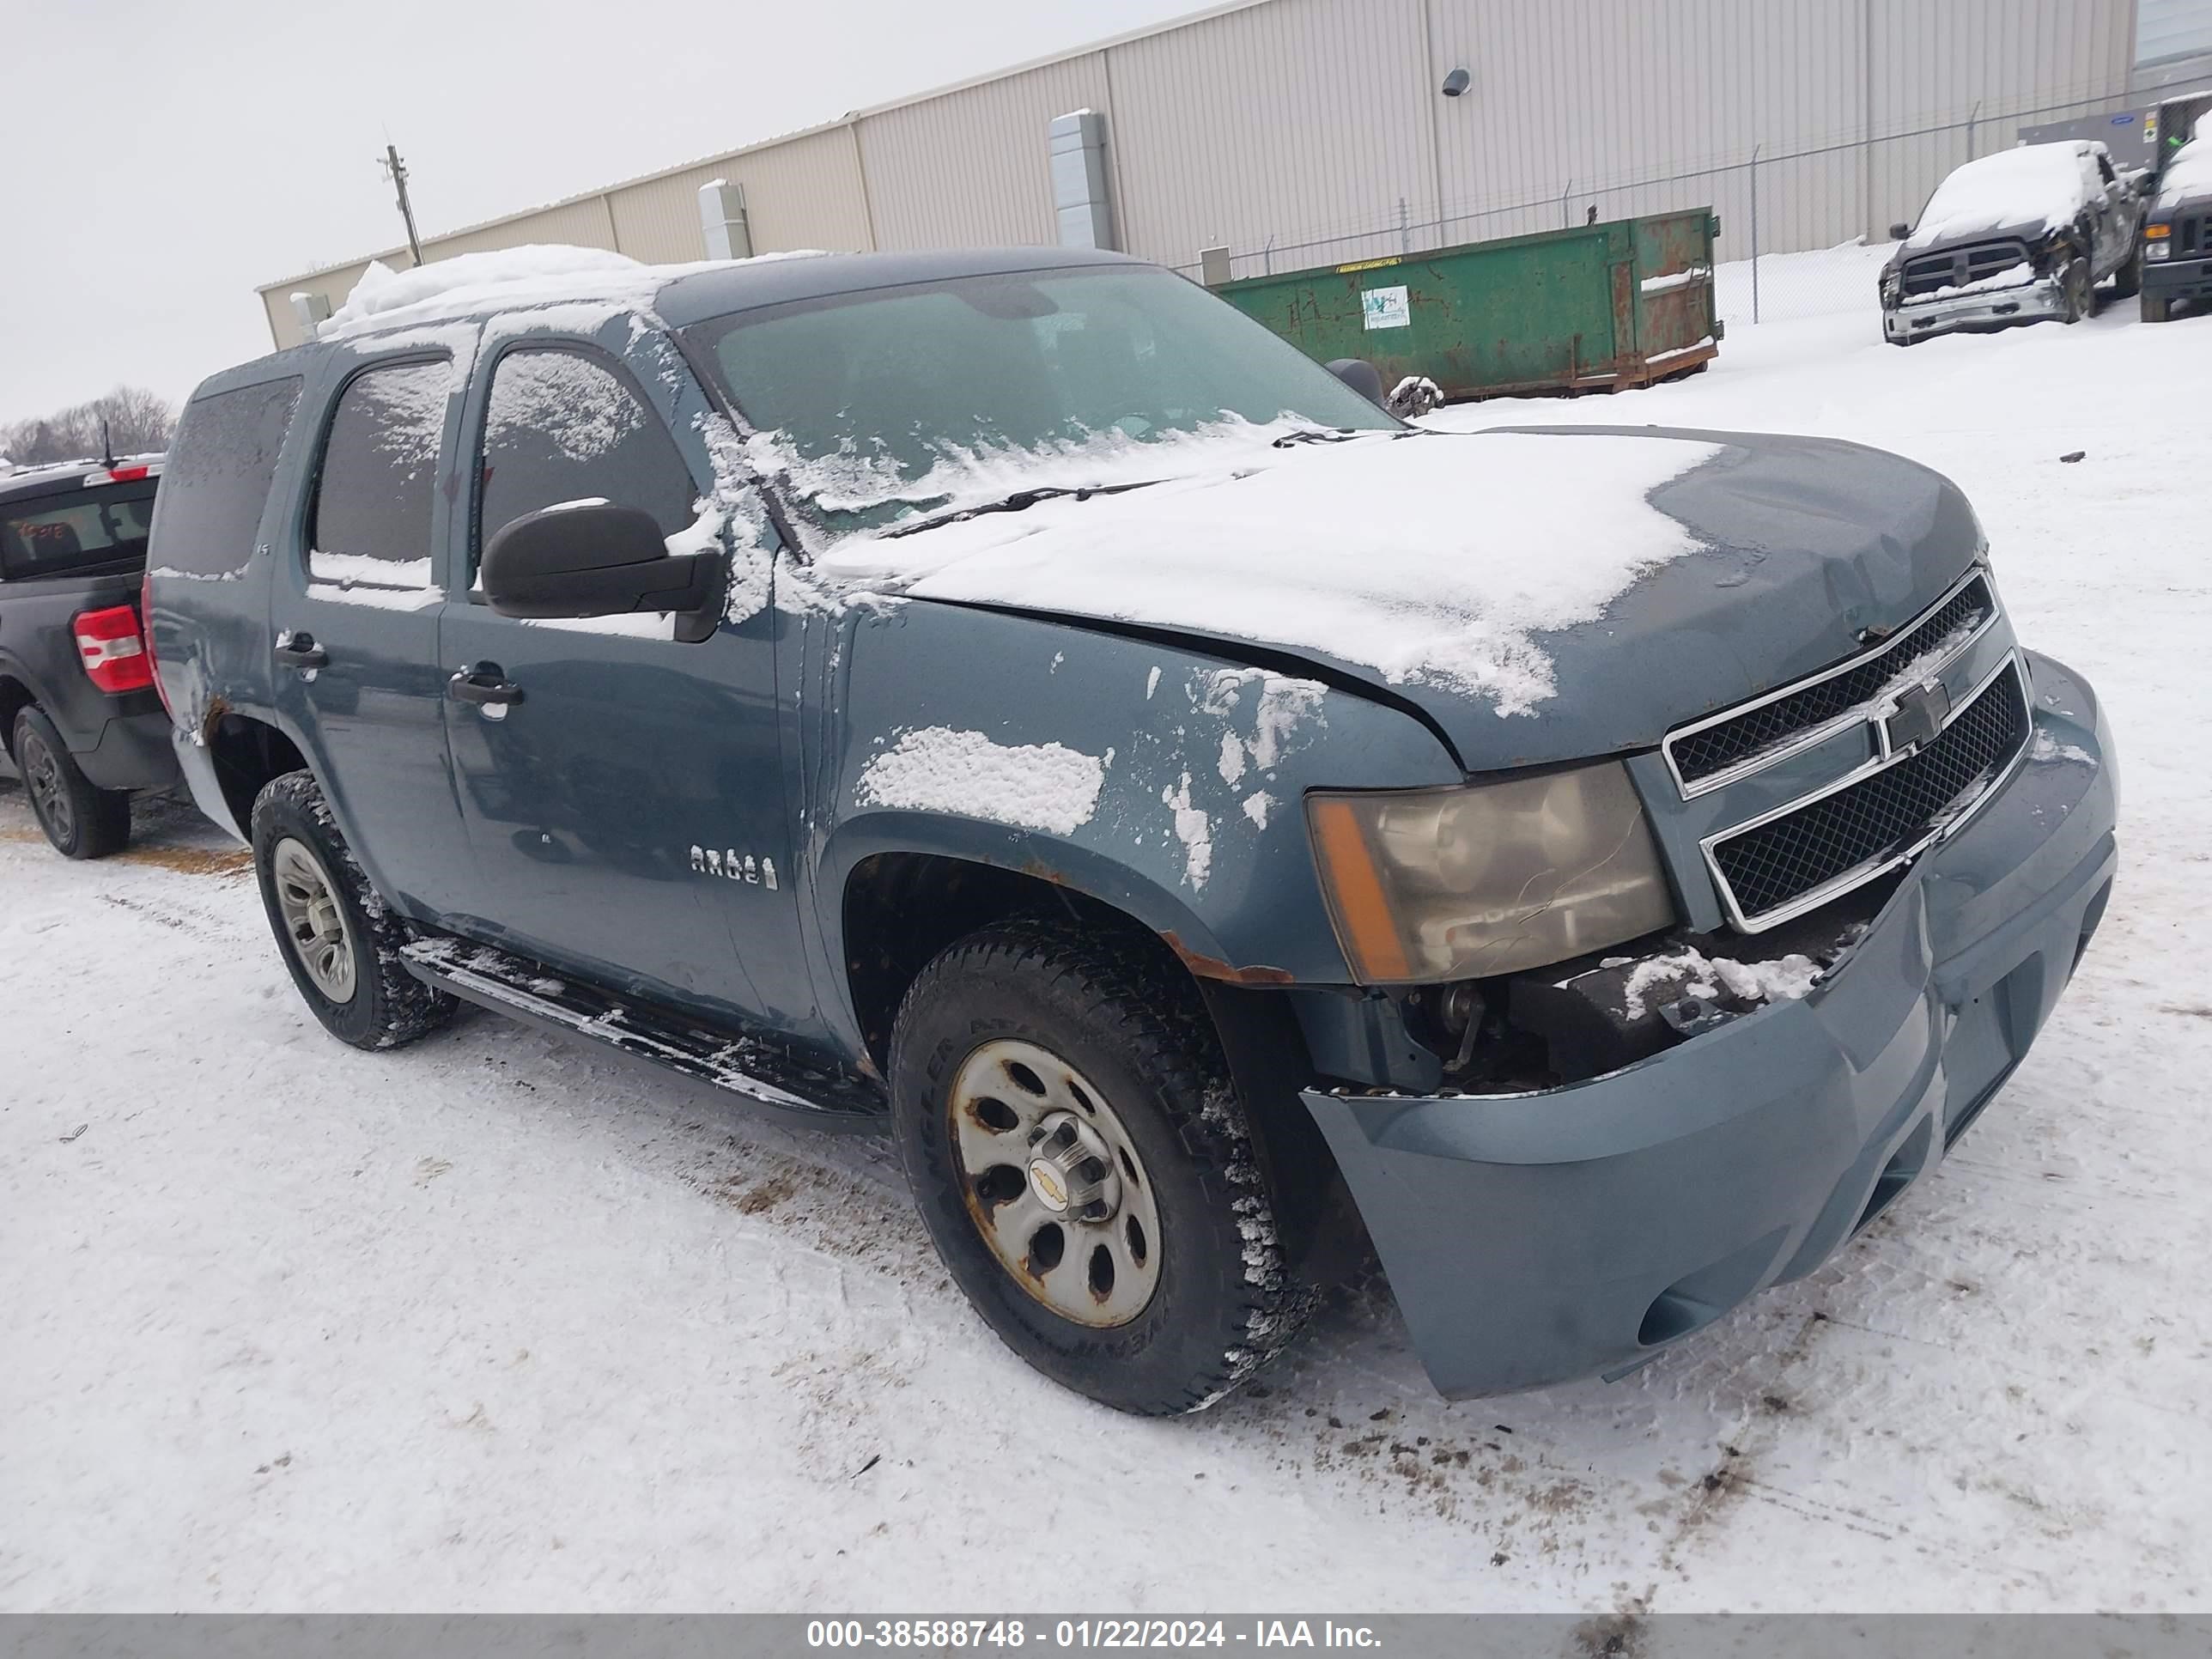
(498, 1323)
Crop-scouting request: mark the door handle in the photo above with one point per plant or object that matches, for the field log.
(483, 682)
(295, 650)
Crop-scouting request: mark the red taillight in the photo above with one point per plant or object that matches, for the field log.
(114, 652)
(145, 634)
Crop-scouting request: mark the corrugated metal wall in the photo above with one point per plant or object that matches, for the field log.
(1293, 131)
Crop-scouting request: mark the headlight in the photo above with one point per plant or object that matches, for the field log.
(2155, 251)
(1428, 884)
(1891, 284)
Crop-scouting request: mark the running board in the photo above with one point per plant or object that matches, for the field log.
(756, 1070)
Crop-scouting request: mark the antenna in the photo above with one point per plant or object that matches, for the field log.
(396, 170)
(107, 446)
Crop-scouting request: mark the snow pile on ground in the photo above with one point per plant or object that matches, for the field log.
(2030, 185)
(1034, 786)
(1423, 562)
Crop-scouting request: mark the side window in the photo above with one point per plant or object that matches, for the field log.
(562, 427)
(217, 478)
(370, 519)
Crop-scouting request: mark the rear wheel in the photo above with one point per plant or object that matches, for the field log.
(1080, 1158)
(81, 820)
(338, 939)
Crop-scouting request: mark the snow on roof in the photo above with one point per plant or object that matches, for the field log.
(506, 278)
(2033, 184)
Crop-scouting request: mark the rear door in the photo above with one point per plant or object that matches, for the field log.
(628, 811)
(355, 624)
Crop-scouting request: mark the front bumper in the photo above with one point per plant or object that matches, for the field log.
(1920, 320)
(2177, 279)
(1535, 1238)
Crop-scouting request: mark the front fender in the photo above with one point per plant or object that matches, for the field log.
(1162, 780)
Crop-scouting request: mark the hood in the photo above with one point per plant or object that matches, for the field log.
(1540, 594)
(2030, 231)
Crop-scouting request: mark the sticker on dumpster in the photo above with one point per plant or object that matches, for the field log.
(1386, 308)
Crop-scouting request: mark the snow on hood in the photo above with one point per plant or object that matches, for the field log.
(2188, 169)
(2032, 184)
(1435, 559)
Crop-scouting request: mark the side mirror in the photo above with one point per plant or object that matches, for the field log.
(2143, 183)
(593, 559)
(1362, 377)
(1898, 233)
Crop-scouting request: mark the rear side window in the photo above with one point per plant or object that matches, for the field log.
(218, 476)
(83, 530)
(563, 427)
(370, 521)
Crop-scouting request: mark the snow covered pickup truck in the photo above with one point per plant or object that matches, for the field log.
(78, 716)
(1012, 701)
(2015, 237)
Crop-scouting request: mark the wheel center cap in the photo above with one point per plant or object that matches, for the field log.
(1051, 1189)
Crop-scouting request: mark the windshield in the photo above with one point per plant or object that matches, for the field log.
(899, 403)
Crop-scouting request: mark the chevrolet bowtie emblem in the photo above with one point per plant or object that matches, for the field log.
(1918, 716)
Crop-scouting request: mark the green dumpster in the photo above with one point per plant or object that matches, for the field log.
(1595, 308)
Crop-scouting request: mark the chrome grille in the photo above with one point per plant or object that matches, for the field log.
(1813, 850)
(1956, 267)
(1706, 754)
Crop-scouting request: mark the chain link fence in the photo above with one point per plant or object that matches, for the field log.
(1803, 226)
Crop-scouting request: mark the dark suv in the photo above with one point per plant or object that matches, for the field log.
(2015, 237)
(78, 714)
(1010, 701)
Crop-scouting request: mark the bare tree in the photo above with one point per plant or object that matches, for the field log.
(138, 421)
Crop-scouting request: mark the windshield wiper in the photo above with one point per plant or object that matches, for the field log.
(1316, 434)
(1020, 501)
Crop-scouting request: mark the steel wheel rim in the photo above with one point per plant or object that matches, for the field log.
(42, 773)
(315, 922)
(1053, 1183)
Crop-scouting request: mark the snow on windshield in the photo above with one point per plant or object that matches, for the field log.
(1434, 559)
(2033, 185)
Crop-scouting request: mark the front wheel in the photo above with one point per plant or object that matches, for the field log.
(337, 936)
(2077, 292)
(2127, 281)
(81, 820)
(1081, 1159)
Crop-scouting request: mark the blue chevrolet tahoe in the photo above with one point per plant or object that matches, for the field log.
(1011, 702)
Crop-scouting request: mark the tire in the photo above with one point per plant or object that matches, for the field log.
(81, 820)
(1196, 1300)
(2156, 309)
(2127, 281)
(347, 967)
(2081, 292)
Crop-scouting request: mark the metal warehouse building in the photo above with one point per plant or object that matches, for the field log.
(1289, 133)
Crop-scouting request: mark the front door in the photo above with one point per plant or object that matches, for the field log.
(627, 808)
(354, 610)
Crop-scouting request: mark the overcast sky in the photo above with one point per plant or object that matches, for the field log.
(161, 159)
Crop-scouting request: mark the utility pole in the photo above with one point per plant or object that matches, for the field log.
(396, 170)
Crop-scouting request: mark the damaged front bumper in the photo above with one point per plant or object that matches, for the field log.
(1537, 1237)
(1920, 320)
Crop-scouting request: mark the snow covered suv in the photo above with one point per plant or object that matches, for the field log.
(1010, 701)
(2016, 237)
